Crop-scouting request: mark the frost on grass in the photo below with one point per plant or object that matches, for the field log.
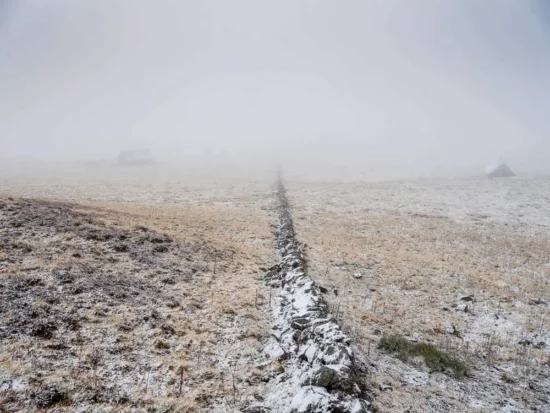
(470, 278)
(101, 312)
(319, 372)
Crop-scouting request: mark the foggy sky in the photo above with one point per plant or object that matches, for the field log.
(428, 85)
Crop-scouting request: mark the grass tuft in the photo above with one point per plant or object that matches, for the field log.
(435, 359)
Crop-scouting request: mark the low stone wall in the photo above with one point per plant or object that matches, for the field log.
(320, 373)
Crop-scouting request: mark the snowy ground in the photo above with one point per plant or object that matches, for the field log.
(409, 257)
(463, 264)
(520, 203)
(174, 325)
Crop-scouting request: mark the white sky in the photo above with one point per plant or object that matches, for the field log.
(430, 84)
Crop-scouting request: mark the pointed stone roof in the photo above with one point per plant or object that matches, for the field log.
(501, 171)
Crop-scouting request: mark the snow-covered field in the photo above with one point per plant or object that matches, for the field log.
(463, 264)
(520, 203)
(187, 252)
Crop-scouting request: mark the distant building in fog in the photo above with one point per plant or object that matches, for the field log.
(136, 157)
(501, 171)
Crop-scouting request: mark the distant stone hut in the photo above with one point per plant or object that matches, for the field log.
(136, 157)
(501, 171)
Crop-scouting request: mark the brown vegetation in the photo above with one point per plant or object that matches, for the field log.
(473, 288)
(148, 308)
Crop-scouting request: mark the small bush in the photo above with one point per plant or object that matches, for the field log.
(396, 344)
(435, 359)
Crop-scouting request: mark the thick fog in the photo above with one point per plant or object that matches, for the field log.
(377, 87)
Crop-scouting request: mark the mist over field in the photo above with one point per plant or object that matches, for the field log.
(275, 206)
(355, 89)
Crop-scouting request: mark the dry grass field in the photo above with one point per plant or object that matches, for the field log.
(140, 289)
(124, 293)
(463, 265)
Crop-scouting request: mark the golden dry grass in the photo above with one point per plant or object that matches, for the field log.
(222, 316)
(406, 273)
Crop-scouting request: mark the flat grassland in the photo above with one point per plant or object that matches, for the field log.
(460, 264)
(131, 290)
(139, 289)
